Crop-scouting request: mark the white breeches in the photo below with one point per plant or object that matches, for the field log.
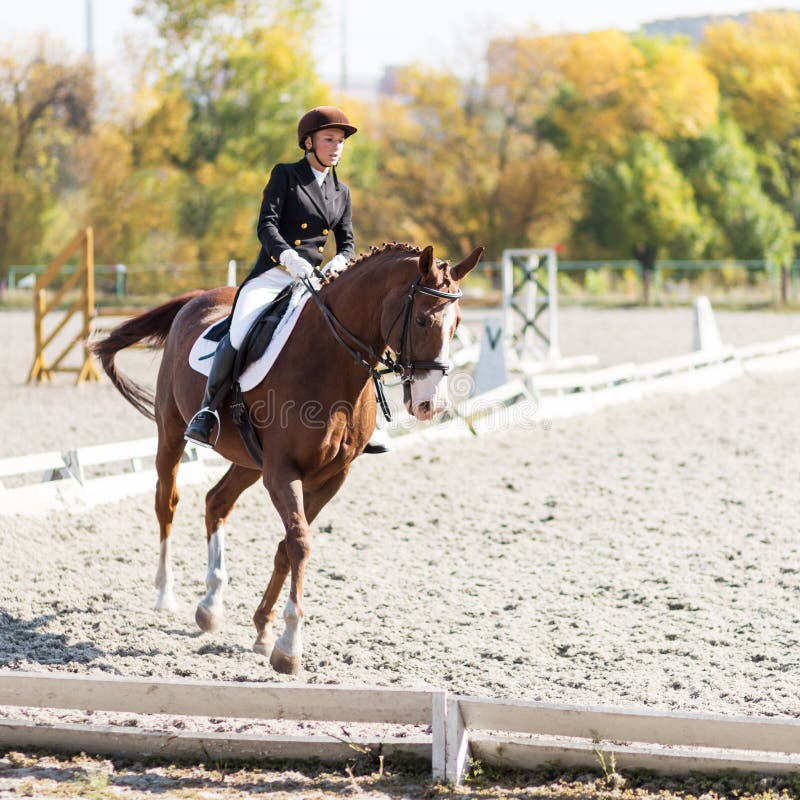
(254, 296)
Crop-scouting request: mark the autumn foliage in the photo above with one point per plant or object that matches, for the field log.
(613, 145)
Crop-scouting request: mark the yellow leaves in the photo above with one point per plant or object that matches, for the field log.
(449, 173)
(682, 94)
(46, 103)
(758, 68)
(600, 92)
(612, 89)
(430, 88)
(266, 54)
(158, 121)
(603, 66)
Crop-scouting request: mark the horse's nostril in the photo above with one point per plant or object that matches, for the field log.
(425, 407)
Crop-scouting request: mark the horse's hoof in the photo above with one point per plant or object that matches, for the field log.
(283, 663)
(206, 621)
(166, 602)
(263, 649)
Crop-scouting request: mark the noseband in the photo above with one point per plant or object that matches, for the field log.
(401, 365)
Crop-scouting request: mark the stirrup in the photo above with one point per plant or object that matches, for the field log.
(188, 437)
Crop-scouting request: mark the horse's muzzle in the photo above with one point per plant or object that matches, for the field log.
(426, 395)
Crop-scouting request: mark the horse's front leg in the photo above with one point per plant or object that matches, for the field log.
(297, 510)
(286, 491)
(264, 618)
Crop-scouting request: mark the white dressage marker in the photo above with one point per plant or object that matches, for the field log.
(706, 334)
(490, 371)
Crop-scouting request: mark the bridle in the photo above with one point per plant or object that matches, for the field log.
(401, 364)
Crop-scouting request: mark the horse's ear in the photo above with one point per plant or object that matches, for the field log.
(426, 261)
(461, 269)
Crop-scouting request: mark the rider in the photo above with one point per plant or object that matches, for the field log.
(302, 203)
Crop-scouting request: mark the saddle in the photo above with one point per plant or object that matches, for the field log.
(253, 347)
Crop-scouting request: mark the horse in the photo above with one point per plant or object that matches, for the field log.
(314, 411)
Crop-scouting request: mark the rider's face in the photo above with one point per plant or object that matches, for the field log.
(328, 146)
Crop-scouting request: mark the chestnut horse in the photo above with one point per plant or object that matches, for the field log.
(314, 412)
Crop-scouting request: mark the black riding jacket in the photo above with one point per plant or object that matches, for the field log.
(297, 214)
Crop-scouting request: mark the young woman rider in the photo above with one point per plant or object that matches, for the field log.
(302, 204)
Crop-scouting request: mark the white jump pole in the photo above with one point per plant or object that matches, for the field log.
(508, 292)
(554, 350)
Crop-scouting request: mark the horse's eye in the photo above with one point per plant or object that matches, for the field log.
(421, 320)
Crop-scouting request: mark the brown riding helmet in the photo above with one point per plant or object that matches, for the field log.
(320, 118)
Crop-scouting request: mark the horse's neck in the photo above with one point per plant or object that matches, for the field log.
(356, 297)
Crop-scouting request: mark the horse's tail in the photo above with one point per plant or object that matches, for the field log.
(151, 327)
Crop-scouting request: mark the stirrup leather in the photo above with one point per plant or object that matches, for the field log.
(215, 414)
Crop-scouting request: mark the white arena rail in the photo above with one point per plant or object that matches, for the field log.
(65, 486)
(52, 465)
(564, 394)
(218, 699)
(663, 741)
(456, 727)
(524, 400)
(773, 356)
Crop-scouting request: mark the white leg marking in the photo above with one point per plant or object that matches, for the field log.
(165, 581)
(216, 577)
(291, 641)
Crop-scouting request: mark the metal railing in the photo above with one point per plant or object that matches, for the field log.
(674, 280)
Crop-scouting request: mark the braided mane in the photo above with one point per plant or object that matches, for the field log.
(387, 248)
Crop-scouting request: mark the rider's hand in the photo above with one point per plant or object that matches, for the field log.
(297, 266)
(336, 265)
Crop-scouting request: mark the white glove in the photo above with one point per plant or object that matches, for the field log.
(336, 264)
(297, 266)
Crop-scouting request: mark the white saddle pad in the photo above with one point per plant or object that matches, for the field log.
(202, 352)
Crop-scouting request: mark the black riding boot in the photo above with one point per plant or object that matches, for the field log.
(202, 423)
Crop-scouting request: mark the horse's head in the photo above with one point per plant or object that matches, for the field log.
(419, 325)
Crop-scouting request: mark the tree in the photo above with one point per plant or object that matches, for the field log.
(642, 206)
(235, 76)
(609, 103)
(758, 68)
(46, 101)
(757, 65)
(613, 87)
(723, 172)
(447, 172)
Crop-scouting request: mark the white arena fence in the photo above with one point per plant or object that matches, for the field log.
(535, 393)
(84, 477)
(74, 480)
(456, 728)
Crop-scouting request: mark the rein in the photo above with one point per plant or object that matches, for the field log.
(403, 367)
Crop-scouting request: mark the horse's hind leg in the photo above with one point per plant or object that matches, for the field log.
(219, 504)
(168, 457)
